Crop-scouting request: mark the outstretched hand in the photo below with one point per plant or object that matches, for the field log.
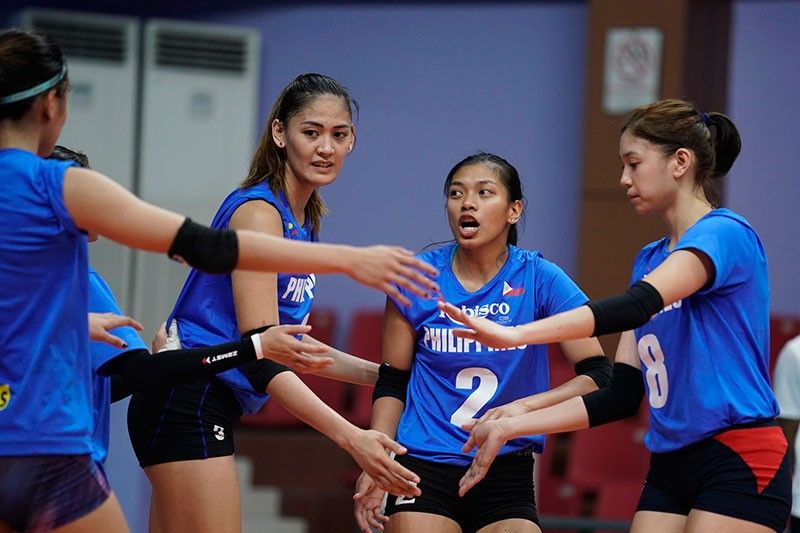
(371, 450)
(481, 329)
(280, 344)
(101, 323)
(488, 438)
(388, 267)
(368, 500)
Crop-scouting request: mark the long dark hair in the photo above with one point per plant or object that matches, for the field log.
(269, 161)
(27, 59)
(672, 124)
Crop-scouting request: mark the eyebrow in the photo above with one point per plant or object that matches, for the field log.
(481, 182)
(319, 125)
(629, 153)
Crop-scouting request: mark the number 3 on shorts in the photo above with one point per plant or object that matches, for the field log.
(487, 385)
(653, 358)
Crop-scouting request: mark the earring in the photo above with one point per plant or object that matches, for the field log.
(280, 144)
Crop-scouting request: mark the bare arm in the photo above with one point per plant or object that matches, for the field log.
(398, 351)
(370, 449)
(682, 274)
(101, 206)
(346, 367)
(568, 415)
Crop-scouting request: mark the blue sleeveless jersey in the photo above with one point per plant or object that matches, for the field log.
(706, 358)
(45, 371)
(101, 300)
(452, 379)
(205, 312)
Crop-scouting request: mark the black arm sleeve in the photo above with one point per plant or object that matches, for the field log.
(211, 250)
(597, 367)
(629, 310)
(260, 373)
(391, 382)
(142, 370)
(619, 400)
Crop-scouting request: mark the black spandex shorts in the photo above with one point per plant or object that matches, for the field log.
(506, 492)
(742, 472)
(43, 492)
(189, 421)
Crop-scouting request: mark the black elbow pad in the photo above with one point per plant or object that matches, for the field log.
(629, 310)
(210, 250)
(598, 368)
(391, 382)
(619, 400)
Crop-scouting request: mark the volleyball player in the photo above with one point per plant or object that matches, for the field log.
(184, 435)
(695, 321)
(431, 383)
(47, 478)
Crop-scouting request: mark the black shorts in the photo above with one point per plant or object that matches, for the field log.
(189, 421)
(40, 493)
(506, 492)
(742, 472)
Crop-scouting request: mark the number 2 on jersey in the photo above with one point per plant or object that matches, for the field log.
(487, 385)
(653, 358)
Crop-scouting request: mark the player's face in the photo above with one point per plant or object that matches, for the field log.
(317, 140)
(646, 177)
(478, 206)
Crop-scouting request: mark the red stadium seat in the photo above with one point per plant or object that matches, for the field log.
(323, 322)
(364, 339)
(555, 495)
(609, 453)
(617, 501)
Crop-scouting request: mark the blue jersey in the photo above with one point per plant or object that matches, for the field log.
(45, 372)
(706, 358)
(205, 311)
(453, 379)
(101, 300)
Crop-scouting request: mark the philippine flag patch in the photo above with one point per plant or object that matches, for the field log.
(508, 290)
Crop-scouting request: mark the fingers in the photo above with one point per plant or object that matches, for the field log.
(112, 321)
(470, 479)
(113, 340)
(419, 265)
(470, 444)
(465, 333)
(417, 281)
(469, 424)
(290, 329)
(392, 292)
(391, 445)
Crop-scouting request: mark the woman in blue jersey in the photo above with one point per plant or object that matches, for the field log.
(184, 436)
(696, 334)
(47, 478)
(431, 383)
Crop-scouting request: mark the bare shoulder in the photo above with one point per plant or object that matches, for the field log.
(257, 215)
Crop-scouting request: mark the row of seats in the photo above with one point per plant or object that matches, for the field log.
(354, 402)
(594, 473)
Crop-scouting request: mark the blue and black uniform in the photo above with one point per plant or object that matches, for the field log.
(195, 420)
(454, 380)
(101, 300)
(47, 477)
(705, 360)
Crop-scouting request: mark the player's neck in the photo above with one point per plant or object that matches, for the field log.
(297, 196)
(13, 135)
(474, 268)
(683, 215)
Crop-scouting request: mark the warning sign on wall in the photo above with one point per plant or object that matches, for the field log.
(632, 74)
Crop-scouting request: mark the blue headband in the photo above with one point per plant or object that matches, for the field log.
(704, 118)
(33, 91)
